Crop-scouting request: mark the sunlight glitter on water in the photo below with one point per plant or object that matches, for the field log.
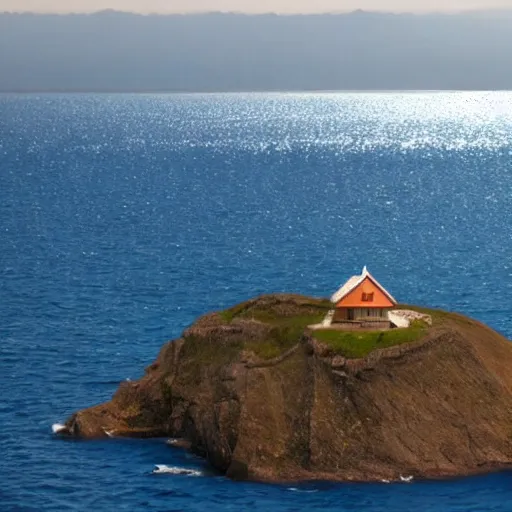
(453, 121)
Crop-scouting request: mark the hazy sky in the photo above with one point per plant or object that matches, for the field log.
(249, 5)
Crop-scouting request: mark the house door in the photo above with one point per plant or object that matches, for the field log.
(350, 314)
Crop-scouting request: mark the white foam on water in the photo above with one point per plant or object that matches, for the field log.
(406, 479)
(295, 489)
(57, 428)
(161, 469)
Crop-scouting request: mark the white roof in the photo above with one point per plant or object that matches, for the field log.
(355, 281)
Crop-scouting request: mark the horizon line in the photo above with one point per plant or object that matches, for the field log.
(481, 10)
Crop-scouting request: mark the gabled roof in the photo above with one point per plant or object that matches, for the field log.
(354, 282)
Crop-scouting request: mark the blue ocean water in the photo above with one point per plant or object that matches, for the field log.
(124, 217)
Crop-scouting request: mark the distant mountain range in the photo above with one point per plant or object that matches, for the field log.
(113, 51)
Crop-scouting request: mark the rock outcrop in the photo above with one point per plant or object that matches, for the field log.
(259, 397)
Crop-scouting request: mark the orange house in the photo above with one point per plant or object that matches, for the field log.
(362, 297)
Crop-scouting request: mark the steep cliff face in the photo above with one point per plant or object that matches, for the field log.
(254, 392)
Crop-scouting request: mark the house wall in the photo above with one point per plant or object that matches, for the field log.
(354, 298)
(341, 314)
(371, 312)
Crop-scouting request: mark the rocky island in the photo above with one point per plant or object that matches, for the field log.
(264, 391)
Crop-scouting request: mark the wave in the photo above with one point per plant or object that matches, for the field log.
(58, 428)
(161, 469)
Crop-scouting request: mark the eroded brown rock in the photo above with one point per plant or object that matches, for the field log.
(441, 406)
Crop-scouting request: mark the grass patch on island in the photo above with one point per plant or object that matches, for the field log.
(287, 318)
(276, 310)
(285, 333)
(358, 344)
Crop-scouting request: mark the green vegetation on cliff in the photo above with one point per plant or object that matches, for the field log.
(287, 321)
(296, 311)
(357, 344)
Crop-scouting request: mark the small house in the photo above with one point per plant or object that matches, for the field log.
(362, 298)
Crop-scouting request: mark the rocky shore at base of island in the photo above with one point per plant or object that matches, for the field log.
(261, 397)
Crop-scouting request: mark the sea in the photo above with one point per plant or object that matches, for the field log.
(125, 217)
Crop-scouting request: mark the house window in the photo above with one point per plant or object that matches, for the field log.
(368, 297)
